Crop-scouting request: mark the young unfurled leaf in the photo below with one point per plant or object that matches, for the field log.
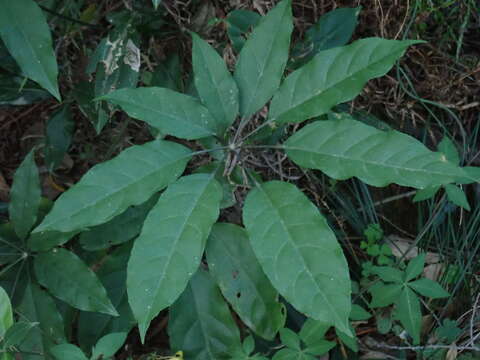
(345, 148)
(241, 279)
(457, 196)
(299, 252)
(25, 196)
(200, 321)
(332, 77)
(70, 280)
(110, 188)
(263, 58)
(170, 112)
(171, 243)
(215, 85)
(25, 32)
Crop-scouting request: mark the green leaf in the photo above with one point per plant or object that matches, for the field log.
(170, 112)
(14, 91)
(313, 331)
(17, 333)
(239, 22)
(289, 338)
(320, 348)
(449, 331)
(291, 354)
(156, 3)
(428, 288)
(335, 28)
(388, 274)
(108, 345)
(68, 352)
(359, 313)
(70, 280)
(6, 313)
(25, 32)
(168, 74)
(384, 295)
(59, 132)
(119, 230)
(37, 306)
(332, 77)
(409, 313)
(344, 148)
(448, 148)
(241, 279)
(25, 196)
(298, 252)
(263, 58)
(349, 340)
(113, 275)
(457, 196)
(200, 321)
(111, 187)
(215, 85)
(414, 267)
(171, 243)
(426, 193)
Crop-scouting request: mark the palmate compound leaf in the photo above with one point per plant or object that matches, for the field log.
(214, 83)
(110, 188)
(241, 279)
(263, 58)
(344, 148)
(333, 76)
(200, 321)
(169, 249)
(298, 252)
(25, 32)
(169, 111)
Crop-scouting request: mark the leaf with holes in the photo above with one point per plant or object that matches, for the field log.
(241, 279)
(111, 187)
(171, 244)
(332, 77)
(25, 32)
(263, 59)
(299, 252)
(344, 148)
(200, 321)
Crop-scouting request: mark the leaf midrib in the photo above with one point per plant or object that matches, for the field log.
(287, 231)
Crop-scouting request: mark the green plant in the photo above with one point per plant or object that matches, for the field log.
(401, 289)
(286, 247)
